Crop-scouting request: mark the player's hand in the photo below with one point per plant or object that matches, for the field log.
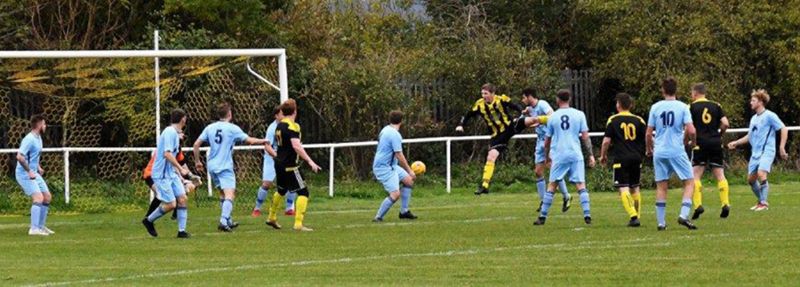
(732, 145)
(603, 160)
(649, 153)
(184, 172)
(199, 166)
(412, 175)
(31, 174)
(41, 171)
(314, 167)
(591, 162)
(460, 129)
(784, 154)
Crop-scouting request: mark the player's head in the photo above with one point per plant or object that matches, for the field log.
(698, 91)
(224, 111)
(624, 102)
(396, 117)
(289, 108)
(38, 123)
(487, 91)
(276, 113)
(669, 87)
(529, 97)
(177, 117)
(759, 99)
(563, 96)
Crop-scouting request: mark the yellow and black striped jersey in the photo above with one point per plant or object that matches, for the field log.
(626, 132)
(287, 157)
(495, 114)
(707, 117)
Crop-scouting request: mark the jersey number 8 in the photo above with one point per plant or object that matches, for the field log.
(564, 122)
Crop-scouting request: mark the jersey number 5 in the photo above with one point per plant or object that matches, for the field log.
(218, 137)
(629, 131)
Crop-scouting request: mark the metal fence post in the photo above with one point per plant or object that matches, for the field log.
(331, 166)
(66, 176)
(448, 166)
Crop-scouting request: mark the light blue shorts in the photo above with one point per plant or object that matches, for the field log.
(390, 177)
(573, 171)
(31, 186)
(680, 165)
(540, 156)
(268, 170)
(764, 162)
(169, 189)
(224, 179)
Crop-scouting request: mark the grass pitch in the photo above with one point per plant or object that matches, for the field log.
(459, 239)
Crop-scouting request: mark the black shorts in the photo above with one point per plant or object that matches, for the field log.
(500, 141)
(149, 182)
(708, 156)
(289, 181)
(627, 173)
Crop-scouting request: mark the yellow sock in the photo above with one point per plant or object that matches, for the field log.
(697, 197)
(627, 202)
(300, 210)
(274, 206)
(637, 202)
(723, 192)
(488, 171)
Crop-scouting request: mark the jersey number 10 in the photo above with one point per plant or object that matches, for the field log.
(629, 131)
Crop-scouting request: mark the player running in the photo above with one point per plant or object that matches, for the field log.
(495, 111)
(566, 129)
(536, 107)
(391, 168)
(669, 119)
(625, 134)
(166, 170)
(268, 170)
(221, 137)
(29, 176)
(287, 167)
(190, 182)
(761, 136)
(711, 123)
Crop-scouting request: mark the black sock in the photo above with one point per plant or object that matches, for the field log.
(153, 205)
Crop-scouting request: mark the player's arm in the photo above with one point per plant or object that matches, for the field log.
(198, 164)
(604, 150)
(744, 139)
(547, 142)
(24, 163)
(298, 148)
(255, 141)
(465, 119)
(270, 151)
(403, 162)
(724, 124)
(534, 121)
(512, 106)
(587, 145)
(784, 137)
(691, 134)
(648, 139)
(172, 160)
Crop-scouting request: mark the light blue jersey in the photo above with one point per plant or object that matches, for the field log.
(564, 128)
(669, 117)
(762, 133)
(389, 142)
(268, 170)
(542, 108)
(221, 137)
(31, 149)
(168, 141)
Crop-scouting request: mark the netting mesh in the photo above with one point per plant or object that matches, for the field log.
(111, 103)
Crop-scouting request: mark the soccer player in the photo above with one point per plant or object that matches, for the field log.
(495, 111)
(625, 134)
(536, 107)
(711, 123)
(29, 176)
(268, 173)
(221, 137)
(669, 119)
(287, 167)
(190, 182)
(391, 168)
(166, 170)
(761, 136)
(566, 129)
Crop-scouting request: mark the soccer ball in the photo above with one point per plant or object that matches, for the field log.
(418, 167)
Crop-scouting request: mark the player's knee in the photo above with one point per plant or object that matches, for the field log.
(408, 182)
(394, 195)
(762, 175)
(46, 197)
(37, 197)
(493, 154)
(266, 184)
(169, 205)
(190, 187)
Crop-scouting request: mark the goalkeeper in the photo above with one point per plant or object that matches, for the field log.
(190, 181)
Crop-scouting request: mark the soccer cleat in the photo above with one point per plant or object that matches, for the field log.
(184, 234)
(303, 229)
(481, 190)
(289, 212)
(37, 232)
(233, 224)
(567, 204)
(634, 222)
(662, 227)
(725, 211)
(687, 223)
(540, 206)
(755, 206)
(540, 221)
(762, 207)
(407, 215)
(224, 228)
(151, 228)
(47, 230)
(273, 224)
(174, 216)
(588, 220)
(377, 220)
(256, 213)
(698, 212)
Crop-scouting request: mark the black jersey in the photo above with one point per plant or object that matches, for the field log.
(496, 114)
(626, 132)
(286, 131)
(707, 117)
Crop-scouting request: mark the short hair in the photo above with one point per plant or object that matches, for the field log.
(276, 110)
(529, 92)
(699, 88)
(289, 107)
(670, 86)
(761, 95)
(564, 95)
(36, 119)
(625, 101)
(223, 109)
(176, 115)
(489, 87)
(395, 117)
